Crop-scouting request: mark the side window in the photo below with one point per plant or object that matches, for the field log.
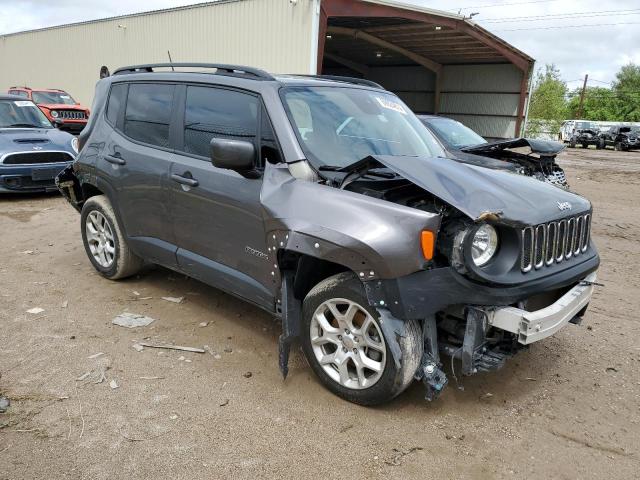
(215, 112)
(148, 113)
(20, 93)
(116, 101)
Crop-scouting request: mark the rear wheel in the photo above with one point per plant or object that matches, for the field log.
(572, 143)
(585, 145)
(346, 347)
(104, 242)
(617, 146)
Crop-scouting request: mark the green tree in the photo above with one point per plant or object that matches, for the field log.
(548, 107)
(599, 104)
(626, 88)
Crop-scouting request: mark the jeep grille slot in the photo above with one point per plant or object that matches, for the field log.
(72, 114)
(554, 242)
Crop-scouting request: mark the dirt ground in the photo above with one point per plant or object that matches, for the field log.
(567, 408)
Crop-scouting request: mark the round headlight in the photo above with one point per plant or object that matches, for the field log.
(54, 114)
(74, 144)
(484, 244)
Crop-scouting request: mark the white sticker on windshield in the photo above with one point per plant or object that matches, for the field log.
(391, 105)
(65, 96)
(23, 103)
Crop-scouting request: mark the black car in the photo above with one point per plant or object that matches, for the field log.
(32, 151)
(325, 202)
(534, 158)
(585, 133)
(621, 138)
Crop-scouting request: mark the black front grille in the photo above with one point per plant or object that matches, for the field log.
(554, 242)
(72, 114)
(27, 158)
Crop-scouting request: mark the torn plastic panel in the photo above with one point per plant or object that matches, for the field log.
(541, 147)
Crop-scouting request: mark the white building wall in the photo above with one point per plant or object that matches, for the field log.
(275, 35)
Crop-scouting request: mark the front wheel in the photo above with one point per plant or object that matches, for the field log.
(104, 241)
(572, 143)
(346, 347)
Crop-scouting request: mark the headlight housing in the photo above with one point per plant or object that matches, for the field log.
(74, 144)
(484, 245)
(54, 114)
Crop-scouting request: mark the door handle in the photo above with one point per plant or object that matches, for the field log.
(192, 182)
(116, 160)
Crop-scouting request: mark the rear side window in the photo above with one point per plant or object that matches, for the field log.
(20, 93)
(116, 101)
(213, 112)
(148, 113)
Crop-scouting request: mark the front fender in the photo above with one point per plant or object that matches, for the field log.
(372, 237)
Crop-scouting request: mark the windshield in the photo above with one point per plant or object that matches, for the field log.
(338, 126)
(584, 125)
(454, 133)
(53, 97)
(21, 113)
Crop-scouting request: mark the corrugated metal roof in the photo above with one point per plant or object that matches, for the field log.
(129, 15)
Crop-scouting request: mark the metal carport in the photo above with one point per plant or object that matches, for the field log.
(435, 61)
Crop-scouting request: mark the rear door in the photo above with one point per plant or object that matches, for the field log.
(136, 160)
(217, 216)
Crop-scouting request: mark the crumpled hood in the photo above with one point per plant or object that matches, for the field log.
(25, 139)
(541, 147)
(477, 191)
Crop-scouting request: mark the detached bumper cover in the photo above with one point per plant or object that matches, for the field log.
(534, 326)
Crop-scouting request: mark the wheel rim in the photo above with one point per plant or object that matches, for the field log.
(348, 343)
(100, 239)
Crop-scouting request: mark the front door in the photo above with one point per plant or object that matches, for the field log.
(216, 213)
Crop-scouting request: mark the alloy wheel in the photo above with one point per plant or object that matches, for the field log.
(100, 239)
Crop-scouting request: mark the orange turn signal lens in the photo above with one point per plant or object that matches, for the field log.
(427, 241)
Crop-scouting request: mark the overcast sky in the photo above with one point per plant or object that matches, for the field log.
(599, 50)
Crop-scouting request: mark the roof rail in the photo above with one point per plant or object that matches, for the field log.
(228, 69)
(340, 78)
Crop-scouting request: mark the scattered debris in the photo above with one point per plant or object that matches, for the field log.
(247, 375)
(486, 396)
(65, 304)
(137, 347)
(217, 356)
(35, 310)
(228, 349)
(4, 404)
(132, 320)
(173, 416)
(345, 428)
(187, 360)
(144, 298)
(137, 294)
(28, 252)
(203, 324)
(83, 376)
(396, 460)
(113, 384)
(531, 379)
(180, 359)
(174, 347)
(151, 378)
(95, 355)
(174, 299)
(225, 403)
(612, 369)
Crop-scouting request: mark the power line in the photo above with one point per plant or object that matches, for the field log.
(567, 26)
(503, 4)
(562, 16)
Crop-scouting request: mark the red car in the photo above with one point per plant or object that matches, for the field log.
(58, 106)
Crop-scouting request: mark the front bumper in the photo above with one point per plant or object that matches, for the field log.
(30, 178)
(534, 326)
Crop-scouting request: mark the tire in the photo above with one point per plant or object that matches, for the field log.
(572, 143)
(617, 146)
(106, 247)
(600, 145)
(585, 145)
(344, 293)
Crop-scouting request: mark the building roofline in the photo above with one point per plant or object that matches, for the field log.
(118, 17)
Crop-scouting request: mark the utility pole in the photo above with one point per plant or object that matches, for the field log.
(584, 90)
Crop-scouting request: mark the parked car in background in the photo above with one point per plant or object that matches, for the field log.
(585, 133)
(534, 158)
(32, 151)
(59, 107)
(325, 202)
(621, 137)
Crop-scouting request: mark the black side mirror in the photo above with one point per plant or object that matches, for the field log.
(237, 155)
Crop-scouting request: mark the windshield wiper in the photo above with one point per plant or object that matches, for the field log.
(18, 125)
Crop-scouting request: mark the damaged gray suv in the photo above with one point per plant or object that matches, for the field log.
(325, 201)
